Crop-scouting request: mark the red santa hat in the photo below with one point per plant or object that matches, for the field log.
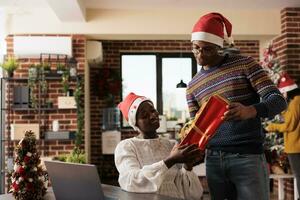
(129, 107)
(286, 83)
(210, 28)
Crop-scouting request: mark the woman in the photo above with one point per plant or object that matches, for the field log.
(150, 164)
(291, 126)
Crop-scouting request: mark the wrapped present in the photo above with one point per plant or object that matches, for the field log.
(206, 122)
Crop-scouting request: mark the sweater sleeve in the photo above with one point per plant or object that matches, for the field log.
(192, 103)
(132, 177)
(192, 187)
(291, 119)
(272, 102)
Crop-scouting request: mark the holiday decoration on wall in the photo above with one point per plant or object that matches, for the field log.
(28, 180)
(109, 85)
(274, 146)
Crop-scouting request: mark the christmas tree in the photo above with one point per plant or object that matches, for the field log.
(274, 140)
(28, 180)
(271, 64)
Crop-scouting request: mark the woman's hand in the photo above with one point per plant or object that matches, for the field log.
(270, 128)
(189, 165)
(183, 154)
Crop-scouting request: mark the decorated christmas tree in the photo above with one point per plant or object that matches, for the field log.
(28, 180)
(271, 64)
(274, 140)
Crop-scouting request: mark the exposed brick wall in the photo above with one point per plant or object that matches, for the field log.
(67, 117)
(111, 54)
(287, 44)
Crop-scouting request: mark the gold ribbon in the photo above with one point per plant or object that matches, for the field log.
(193, 126)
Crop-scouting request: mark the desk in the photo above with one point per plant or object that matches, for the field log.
(110, 191)
(280, 178)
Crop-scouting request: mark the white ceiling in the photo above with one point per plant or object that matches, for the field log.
(163, 4)
(191, 4)
(83, 16)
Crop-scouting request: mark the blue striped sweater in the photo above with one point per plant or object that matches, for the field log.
(238, 79)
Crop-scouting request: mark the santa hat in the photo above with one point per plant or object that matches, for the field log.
(210, 28)
(286, 83)
(129, 107)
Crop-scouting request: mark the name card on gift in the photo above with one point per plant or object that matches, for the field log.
(206, 122)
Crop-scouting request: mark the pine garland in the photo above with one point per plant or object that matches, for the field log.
(28, 179)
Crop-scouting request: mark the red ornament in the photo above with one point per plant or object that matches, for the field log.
(15, 186)
(26, 159)
(22, 171)
(29, 186)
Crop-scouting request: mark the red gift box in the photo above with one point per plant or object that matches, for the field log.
(206, 122)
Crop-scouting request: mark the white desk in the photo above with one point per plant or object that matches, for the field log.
(280, 178)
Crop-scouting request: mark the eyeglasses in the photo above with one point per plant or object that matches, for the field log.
(206, 50)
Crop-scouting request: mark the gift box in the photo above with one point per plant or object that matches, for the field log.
(206, 122)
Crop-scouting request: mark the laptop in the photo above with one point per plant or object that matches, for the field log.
(72, 181)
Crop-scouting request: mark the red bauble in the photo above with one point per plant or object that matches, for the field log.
(29, 186)
(22, 171)
(26, 159)
(15, 186)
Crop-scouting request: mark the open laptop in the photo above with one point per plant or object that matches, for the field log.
(72, 181)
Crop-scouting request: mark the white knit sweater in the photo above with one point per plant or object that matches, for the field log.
(141, 167)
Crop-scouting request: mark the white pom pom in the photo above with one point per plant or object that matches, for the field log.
(29, 154)
(30, 180)
(20, 179)
(230, 40)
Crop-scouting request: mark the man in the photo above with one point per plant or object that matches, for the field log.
(235, 163)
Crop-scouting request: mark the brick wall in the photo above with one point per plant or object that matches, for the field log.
(287, 46)
(67, 117)
(111, 53)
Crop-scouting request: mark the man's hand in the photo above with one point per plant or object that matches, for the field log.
(237, 111)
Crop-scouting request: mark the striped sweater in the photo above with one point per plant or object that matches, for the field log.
(238, 79)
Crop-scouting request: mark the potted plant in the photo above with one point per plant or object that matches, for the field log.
(65, 81)
(33, 71)
(32, 84)
(10, 65)
(49, 104)
(60, 68)
(46, 68)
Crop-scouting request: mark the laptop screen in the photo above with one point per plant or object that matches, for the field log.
(72, 181)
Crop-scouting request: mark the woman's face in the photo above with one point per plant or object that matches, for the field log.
(147, 118)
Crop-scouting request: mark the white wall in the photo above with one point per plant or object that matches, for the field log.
(145, 24)
(2, 37)
(260, 25)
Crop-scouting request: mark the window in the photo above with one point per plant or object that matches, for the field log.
(156, 76)
(174, 101)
